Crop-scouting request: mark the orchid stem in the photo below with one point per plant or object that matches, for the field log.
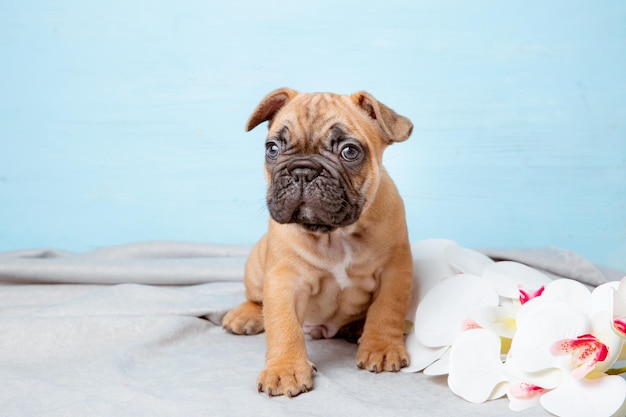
(616, 371)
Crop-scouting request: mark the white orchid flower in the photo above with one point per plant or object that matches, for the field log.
(558, 353)
(466, 261)
(430, 267)
(565, 320)
(516, 284)
(555, 337)
(516, 281)
(600, 397)
(503, 328)
(444, 313)
(476, 371)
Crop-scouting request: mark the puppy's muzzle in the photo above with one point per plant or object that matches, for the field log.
(311, 192)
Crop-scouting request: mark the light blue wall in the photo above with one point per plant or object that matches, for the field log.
(122, 121)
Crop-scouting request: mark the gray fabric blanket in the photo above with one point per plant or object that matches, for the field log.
(135, 330)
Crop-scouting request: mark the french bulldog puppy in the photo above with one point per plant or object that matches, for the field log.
(337, 248)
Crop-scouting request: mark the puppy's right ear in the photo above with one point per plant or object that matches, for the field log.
(269, 106)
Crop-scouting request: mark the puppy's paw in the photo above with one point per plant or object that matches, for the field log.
(245, 319)
(382, 355)
(286, 378)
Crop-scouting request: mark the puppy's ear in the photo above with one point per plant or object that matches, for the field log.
(395, 127)
(269, 106)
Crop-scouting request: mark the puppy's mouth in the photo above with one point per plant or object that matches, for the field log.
(318, 228)
(307, 218)
(313, 216)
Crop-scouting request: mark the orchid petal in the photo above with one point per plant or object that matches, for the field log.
(521, 404)
(621, 290)
(475, 367)
(439, 367)
(619, 309)
(429, 268)
(619, 325)
(431, 248)
(541, 323)
(548, 378)
(600, 397)
(467, 261)
(499, 391)
(523, 396)
(508, 277)
(421, 356)
(621, 411)
(601, 328)
(571, 292)
(602, 297)
(440, 315)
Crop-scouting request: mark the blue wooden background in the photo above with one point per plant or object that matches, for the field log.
(122, 120)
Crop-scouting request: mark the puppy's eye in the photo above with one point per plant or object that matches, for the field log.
(272, 150)
(350, 153)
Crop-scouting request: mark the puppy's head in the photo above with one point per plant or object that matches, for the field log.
(323, 154)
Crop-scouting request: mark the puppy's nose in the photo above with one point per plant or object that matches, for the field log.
(305, 171)
(304, 174)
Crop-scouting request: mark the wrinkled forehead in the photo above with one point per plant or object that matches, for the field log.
(313, 117)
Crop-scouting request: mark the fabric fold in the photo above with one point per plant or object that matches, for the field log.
(156, 263)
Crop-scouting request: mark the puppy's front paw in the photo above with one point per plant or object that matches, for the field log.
(245, 319)
(382, 355)
(286, 378)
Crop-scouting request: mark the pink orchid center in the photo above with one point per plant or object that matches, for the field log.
(525, 296)
(470, 324)
(619, 324)
(524, 390)
(586, 352)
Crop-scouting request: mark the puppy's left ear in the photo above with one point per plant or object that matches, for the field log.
(395, 127)
(269, 106)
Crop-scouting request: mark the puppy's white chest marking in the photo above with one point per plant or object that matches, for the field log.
(334, 256)
(339, 271)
